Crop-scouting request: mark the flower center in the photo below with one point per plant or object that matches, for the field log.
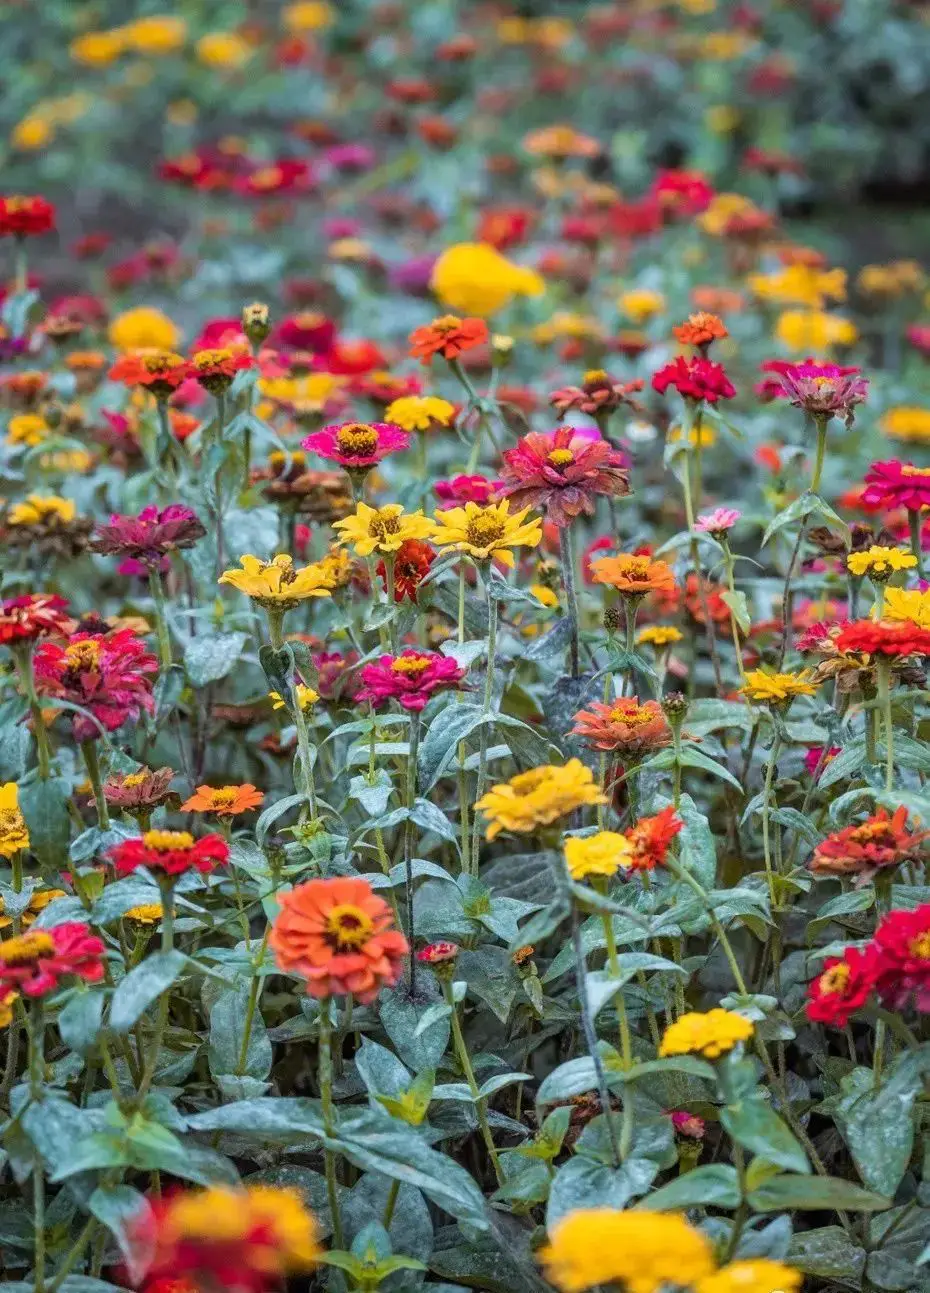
(207, 359)
(920, 946)
(411, 664)
(915, 471)
(348, 926)
(26, 948)
(83, 656)
(449, 323)
(382, 525)
(11, 822)
(485, 529)
(835, 979)
(595, 377)
(134, 779)
(632, 717)
(560, 457)
(223, 798)
(167, 841)
(357, 438)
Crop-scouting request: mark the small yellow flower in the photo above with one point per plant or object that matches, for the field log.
(382, 529)
(276, 584)
(658, 635)
(777, 688)
(600, 854)
(880, 563)
(159, 34)
(906, 423)
(908, 605)
(148, 913)
(486, 531)
(7, 1001)
(143, 328)
(544, 594)
(721, 118)
(704, 435)
(13, 833)
(724, 46)
(32, 133)
(813, 332)
(27, 428)
(891, 280)
(640, 304)
(420, 412)
(759, 1275)
(223, 49)
(349, 249)
(40, 509)
(538, 797)
(636, 1250)
(97, 48)
(800, 285)
(306, 393)
(723, 207)
(566, 323)
(711, 1034)
(473, 278)
(308, 15)
(306, 698)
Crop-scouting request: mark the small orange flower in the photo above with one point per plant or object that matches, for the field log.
(624, 725)
(224, 801)
(700, 330)
(448, 336)
(650, 838)
(633, 575)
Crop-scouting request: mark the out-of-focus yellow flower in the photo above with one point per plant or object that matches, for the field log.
(906, 423)
(223, 49)
(723, 208)
(658, 635)
(704, 435)
(809, 332)
(894, 279)
(778, 689)
(143, 328)
(638, 1251)
(880, 563)
(67, 460)
(697, 6)
(31, 133)
(27, 428)
(147, 913)
(640, 304)
(486, 532)
(7, 1001)
(304, 393)
(759, 1275)
(183, 112)
(711, 1034)
(350, 249)
(160, 34)
(601, 854)
(276, 584)
(565, 323)
(381, 529)
(546, 595)
(97, 48)
(722, 118)
(907, 605)
(306, 697)
(420, 412)
(725, 45)
(38, 509)
(560, 142)
(800, 285)
(308, 15)
(538, 797)
(475, 279)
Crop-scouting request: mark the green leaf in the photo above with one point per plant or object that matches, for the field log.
(815, 1194)
(210, 657)
(117, 1206)
(698, 850)
(737, 603)
(79, 1022)
(692, 758)
(829, 1254)
(44, 805)
(143, 985)
(227, 1035)
(713, 1186)
(439, 744)
(264, 1118)
(878, 1126)
(755, 1125)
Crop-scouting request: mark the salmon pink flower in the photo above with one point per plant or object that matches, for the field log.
(843, 986)
(109, 674)
(880, 842)
(717, 522)
(32, 963)
(696, 379)
(150, 535)
(895, 484)
(624, 726)
(410, 678)
(170, 853)
(357, 444)
(562, 472)
(598, 395)
(823, 390)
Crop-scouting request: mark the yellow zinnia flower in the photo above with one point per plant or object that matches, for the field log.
(27, 428)
(32, 132)
(13, 833)
(565, 323)
(39, 508)
(813, 332)
(147, 913)
(637, 1250)
(382, 529)
(800, 285)
(906, 423)
(475, 279)
(160, 34)
(97, 48)
(486, 531)
(420, 412)
(777, 688)
(658, 635)
(143, 328)
(306, 698)
(306, 393)
(711, 1034)
(538, 797)
(759, 1275)
(880, 563)
(223, 49)
(275, 584)
(908, 605)
(640, 304)
(308, 15)
(600, 854)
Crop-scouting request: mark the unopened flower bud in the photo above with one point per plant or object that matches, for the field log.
(675, 706)
(614, 619)
(501, 349)
(255, 322)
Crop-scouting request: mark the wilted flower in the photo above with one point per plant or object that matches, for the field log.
(880, 842)
(170, 853)
(109, 674)
(150, 535)
(32, 963)
(562, 472)
(137, 793)
(538, 797)
(410, 678)
(598, 395)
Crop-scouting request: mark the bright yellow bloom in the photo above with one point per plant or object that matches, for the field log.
(725, 45)
(306, 698)
(420, 412)
(32, 132)
(812, 332)
(908, 605)
(894, 279)
(147, 913)
(143, 328)
(382, 529)
(759, 1275)
(704, 435)
(13, 833)
(41, 509)
(711, 1034)
(800, 285)
(658, 635)
(777, 688)
(305, 393)
(160, 34)
(486, 531)
(68, 460)
(275, 584)
(308, 15)
(637, 1250)
(544, 594)
(27, 428)
(880, 563)
(721, 118)
(640, 304)
(349, 249)
(7, 1000)
(906, 423)
(475, 279)
(722, 209)
(600, 854)
(37, 903)
(97, 48)
(538, 797)
(223, 49)
(224, 1214)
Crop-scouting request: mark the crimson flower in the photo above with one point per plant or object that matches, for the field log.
(694, 378)
(465, 489)
(410, 678)
(32, 963)
(33, 616)
(881, 638)
(902, 947)
(151, 534)
(842, 987)
(109, 674)
(357, 444)
(351, 358)
(411, 566)
(170, 853)
(682, 192)
(897, 484)
(562, 472)
(335, 680)
(306, 331)
(823, 390)
(24, 217)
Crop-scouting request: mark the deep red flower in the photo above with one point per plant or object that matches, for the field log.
(109, 674)
(288, 175)
(682, 192)
(24, 217)
(504, 227)
(411, 566)
(562, 472)
(32, 963)
(90, 245)
(151, 534)
(897, 484)
(902, 947)
(823, 390)
(843, 986)
(310, 331)
(170, 853)
(357, 444)
(465, 489)
(694, 378)
(410, 678)
(816, 758)
(882, 638)
(440, 953)
(33, 616)
(771, 162)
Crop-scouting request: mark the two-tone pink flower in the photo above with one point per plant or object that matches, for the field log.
(357, 445)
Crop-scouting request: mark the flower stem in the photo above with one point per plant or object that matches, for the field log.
(461, 1051)
(766, 798)
(486, 710)
(23, 659)
(913, 521)
(884, 693)
(161, 617)
(411, 795)
(681, 873)
(326, 1098)
(92, 763)
(166, 885)
(626, 1045)
(567, 553)
(821, 451)
(590, 1036)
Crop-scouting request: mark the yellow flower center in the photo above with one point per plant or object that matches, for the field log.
(357, 438)
(206, 359)
(134, 779)
(835, 979)
(412, 664)
(915, 471)
(348, 926)
(595, 377)
(382, 525)
(223, 798)
(11, 821)
(485, 529)
(920, 946)
(27, 947)
(83, 655)
(632, 717)
(166, 841)
(561, 457)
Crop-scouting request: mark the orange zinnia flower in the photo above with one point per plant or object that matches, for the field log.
(448, 336)
(225, 801)
(337, 933)
(633, 575)
(650, 838)
(700, 330)
(624, 725)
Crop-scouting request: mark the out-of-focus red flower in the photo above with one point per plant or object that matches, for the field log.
(465, 489)
(770, 161)
(285, 176)
(335, 676)
(351, 358)
(881, 638)
(816, 757)
(902, 947)
(695, 379)
(309, 331)
(25, 217)
(897, 484)
(33, 616)
(90, 246)
(682, 192)
(411, 566)
(32, 963)
(448, 336)
(505, 226)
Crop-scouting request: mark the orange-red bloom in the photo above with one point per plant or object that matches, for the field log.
(880, 842)
(26, 216)
(226, 801)
(338, 935)
(890, 639)
(624, 725)
(158, 371)
(216, 368)
(448, 336)
(650, 838)
(700, 330)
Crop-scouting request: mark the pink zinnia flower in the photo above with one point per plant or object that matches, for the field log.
(357, 444)
(813, 757)
(562, 472)
(410, 678)
(109, 674)
(897, 484)
(33, 962)
(823, 390)
(465, 489)
(695, 378)
(718, 521)
(335, 677)
(150, 535)
(687, 1124)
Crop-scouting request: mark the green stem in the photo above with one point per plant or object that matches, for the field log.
(461, 1051)
(884, 693)
(681, 873)
(766, 798)
(821, 452)
(161, 618)
(623, 1022)
(166, 885)
(486, 710)
(390, 1204)
(254, 991)
(23, 659)
(410, 799)
(326, 1098)
(92, 763)
(878, 1054)
(567, 554)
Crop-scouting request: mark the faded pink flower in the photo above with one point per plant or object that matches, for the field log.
(562, 473)
(150, 535)
(823, 390)
(718, 521)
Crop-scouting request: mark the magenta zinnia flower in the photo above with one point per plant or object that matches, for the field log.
(150, 535)
(695, 378)
(562, 471)
(823, 390)
(897, 484)
(465, 489)
(357, 444)
(409, 678)
(109, 674)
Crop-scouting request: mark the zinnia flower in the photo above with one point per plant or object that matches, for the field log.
(277, 585)
(696, 379)
(137, 793)
(602, 854)
(150, 535)
(562, 473)
(465, 489)
(624, 725)
(757, 1275)
(420, 412)
(357, 445)
(216, 368)
(109, 674)
(170, 853)
(700, 330)
(382, 529)
(411, 566)
(842, 987)
(338, 935)
(598, 395)
(879, 562)
(158, 371)
(25, 217)
(538, 797)
(486, 532)
(448, 336)
(823, 390)
(880, 842)
(907, 604)
(33, 962)
(895, 484)
(650, 838)
(410, 678)
(711, 1034)
(905, 422)
(638, 1250)
(13, 833)
(902, 948)
(717, 522)
(895, 638)
(33, 616)
(224, 801)
(778, 689)
(475, 278)
(633, 575)
(143, 329)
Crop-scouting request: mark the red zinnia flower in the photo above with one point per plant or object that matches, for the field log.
(351, 358)
(897, 484)
(32, 963)
(504, 227)
(842, 987)
(309, 331)
(823, 390)
(25, 217)
(411, 566)
(170, 853)
(816, 758)
(562, 472)
(158, 371)
(215, 369)
(35, 615)
(880, 842)
(448, 336)
(696, 379)
(651, 837)
(410, 678)
(357, 444)
(465, 489)
(440, 953)
(881, 638)
(682, 192)
(109, 674)
(151, 534)
(902, 946)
